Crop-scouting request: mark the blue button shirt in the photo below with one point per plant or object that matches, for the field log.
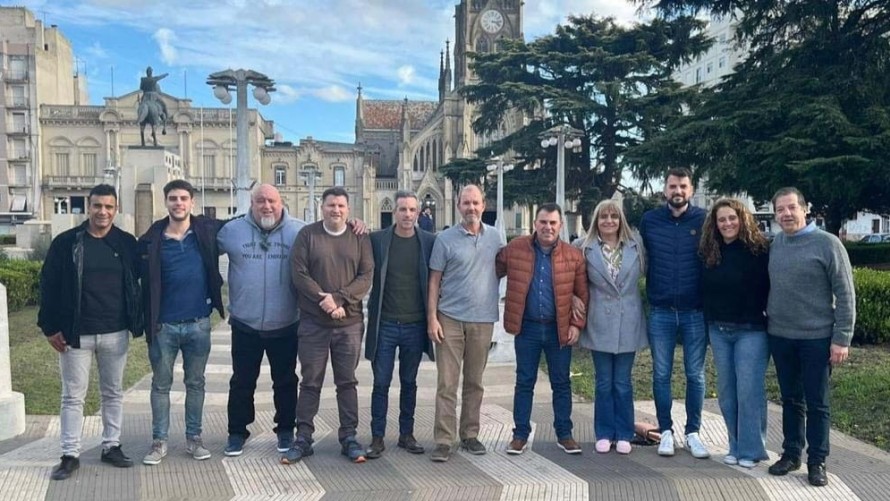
(540, 303)
(184, 293)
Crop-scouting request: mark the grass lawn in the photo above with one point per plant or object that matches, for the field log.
(860, 389)
(35, 365)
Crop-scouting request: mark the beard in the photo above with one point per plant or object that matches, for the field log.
(268, 222)
(678, 202)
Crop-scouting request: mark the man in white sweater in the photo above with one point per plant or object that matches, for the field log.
(811, 312)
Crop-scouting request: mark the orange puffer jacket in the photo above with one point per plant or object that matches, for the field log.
(517, 262)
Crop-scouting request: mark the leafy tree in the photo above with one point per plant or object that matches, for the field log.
(809, 107)
(609, 80)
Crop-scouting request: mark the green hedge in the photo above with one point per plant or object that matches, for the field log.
(872, 306)
(7, 239)
(22, 281)
(863, 254)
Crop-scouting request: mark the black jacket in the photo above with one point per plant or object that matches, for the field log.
(150, 270)
(61, 282)
(380, 241)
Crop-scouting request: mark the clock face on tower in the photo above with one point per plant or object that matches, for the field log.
(492, 21)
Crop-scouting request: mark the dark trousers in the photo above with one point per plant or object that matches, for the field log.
(410, 340)
(802, 368)
(248, 346)
(343, 344)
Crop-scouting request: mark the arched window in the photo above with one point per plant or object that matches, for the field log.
(386, 206)
(482, 45)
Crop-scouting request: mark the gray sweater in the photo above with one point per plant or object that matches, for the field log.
(811, 288)
(260, 290)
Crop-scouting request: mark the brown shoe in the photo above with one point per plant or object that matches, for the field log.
(569, 446)
(517, 447)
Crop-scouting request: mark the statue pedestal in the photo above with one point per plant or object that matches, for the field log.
(12, 404)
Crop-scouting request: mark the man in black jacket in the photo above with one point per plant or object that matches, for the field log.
(397, 319)
(90, 299)
(181, 284)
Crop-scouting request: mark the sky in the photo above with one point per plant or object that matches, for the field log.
(317, 51)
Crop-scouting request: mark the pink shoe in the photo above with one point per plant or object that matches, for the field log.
(623, 447)
(603, 445)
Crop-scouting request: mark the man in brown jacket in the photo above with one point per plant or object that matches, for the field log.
(543, 273)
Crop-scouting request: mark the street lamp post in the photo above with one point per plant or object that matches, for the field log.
(563, 137)
(498, 168)
(310, 176)
(113, 175)
(223, 82)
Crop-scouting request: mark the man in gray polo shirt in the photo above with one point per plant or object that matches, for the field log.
(461, 312)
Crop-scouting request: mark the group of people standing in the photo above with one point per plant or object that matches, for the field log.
(296, 292)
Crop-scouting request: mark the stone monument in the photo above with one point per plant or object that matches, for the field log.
(12, 404)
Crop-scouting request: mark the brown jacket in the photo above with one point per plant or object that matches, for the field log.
(517, 262)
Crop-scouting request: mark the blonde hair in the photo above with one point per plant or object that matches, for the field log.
(625, 232)
(749, 232)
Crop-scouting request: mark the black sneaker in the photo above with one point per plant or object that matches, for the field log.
(64, 469)
(302, 448)
(473, 446)
(784, 465)
(350, 448)
(408, 443)
(235, 445)
(375, 450)
(285, 440)
(115, 457)
(816, 474)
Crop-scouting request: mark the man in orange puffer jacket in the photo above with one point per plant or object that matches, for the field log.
(543, 273)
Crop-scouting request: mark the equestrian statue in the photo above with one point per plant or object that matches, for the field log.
(152, 110)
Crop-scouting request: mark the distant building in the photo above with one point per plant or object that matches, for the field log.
(36, 67)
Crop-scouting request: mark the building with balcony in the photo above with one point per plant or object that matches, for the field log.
(36, 67)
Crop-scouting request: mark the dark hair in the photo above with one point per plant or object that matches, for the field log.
(403, 194)
(680, 172)
(749, 232)
(102, 190)
(548, 208)
(179, 184)
(336, 191)
(790, 190)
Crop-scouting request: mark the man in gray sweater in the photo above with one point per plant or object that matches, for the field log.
(811, 310)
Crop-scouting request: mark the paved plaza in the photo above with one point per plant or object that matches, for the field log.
(857, 471)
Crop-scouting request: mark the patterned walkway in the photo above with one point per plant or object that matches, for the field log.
(857, 471)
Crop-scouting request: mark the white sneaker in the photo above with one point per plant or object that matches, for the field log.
(666, 447)
(730, 460)
(696, 447)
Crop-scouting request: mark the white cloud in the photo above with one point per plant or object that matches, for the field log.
(406, 74)
(333, 94)
(166, 40)
(285, 94)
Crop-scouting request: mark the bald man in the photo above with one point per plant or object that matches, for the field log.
(462, 307)
(263, 313)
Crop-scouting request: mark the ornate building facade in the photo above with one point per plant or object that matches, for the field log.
(399, 144)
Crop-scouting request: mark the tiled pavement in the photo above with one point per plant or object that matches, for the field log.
(857, 471)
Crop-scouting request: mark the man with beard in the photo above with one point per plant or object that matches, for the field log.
(263, 313)
(181, 284)
(461, 311)
(671, 234)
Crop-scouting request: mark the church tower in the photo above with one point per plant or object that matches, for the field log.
(480, 25)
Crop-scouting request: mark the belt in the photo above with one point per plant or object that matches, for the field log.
(185, 321)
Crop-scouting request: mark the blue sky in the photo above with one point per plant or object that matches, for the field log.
(317, 51)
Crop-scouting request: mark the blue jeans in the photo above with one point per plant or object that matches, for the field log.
(532, 339)
(613, 407)
(665, 325)
(193, 339)
(741, 354)
(410, 340)
(803, 370)
(74, 365)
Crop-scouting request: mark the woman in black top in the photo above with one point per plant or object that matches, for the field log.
(735, 285)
